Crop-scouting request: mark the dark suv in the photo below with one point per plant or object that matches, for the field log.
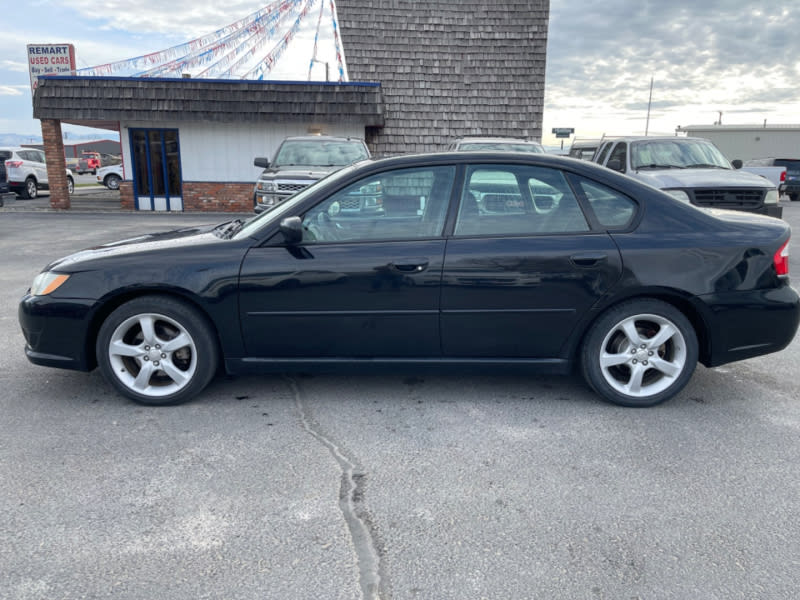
(299, 162)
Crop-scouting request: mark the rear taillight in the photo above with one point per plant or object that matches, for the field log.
(13, 164)
(783, 176)
(781, 260)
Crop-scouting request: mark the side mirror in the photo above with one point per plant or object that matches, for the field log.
(737, 164)
(614, 164)
(262, 162)
(292, 230)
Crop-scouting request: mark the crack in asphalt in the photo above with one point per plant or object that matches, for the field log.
(351, 492)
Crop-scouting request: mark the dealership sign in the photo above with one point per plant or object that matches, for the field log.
(50, 59)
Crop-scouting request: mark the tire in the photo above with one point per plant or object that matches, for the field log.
(70, 186)
(30, 191)
(138, 353)
(639, 353)
(112, 181)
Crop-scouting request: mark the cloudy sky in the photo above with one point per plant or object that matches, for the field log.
(737, 57)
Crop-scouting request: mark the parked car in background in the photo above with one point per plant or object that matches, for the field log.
(791, 180)
(616, 278)
(690, 169)
(26, 171)
(584, 149)
(498, 144)
(299, 162)
(110, 176)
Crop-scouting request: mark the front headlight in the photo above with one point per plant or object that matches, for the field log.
(47, 283)
(771, 197)
(679, 195)
(266, 186)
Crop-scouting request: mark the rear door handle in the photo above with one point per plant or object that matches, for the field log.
(588, 259)
(410, 265)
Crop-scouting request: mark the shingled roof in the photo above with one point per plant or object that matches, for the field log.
(104, 101)
(449, 69)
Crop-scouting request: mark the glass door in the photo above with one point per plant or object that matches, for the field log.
(156, 169)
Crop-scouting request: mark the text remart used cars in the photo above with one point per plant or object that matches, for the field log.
(490, 260)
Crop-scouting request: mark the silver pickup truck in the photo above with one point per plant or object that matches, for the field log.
(692, 170)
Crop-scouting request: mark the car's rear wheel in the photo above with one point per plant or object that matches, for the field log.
(640, 353)
(70, 186)
(30, 190)
(112, 182)
(157, 350)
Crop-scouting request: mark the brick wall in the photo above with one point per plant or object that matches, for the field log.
(56, 163)
(217, 196)
(449, 69)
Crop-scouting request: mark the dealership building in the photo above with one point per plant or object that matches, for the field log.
(420, 75)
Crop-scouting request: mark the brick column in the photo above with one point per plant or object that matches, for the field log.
(126, 199)
(56, 163)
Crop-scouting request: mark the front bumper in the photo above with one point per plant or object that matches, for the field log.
(57, 332)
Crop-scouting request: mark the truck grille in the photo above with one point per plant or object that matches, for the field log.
(291, 188)
(742, 199)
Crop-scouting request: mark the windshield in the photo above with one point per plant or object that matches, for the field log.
(257, 222)
(320, 153)
(503, 146)
(679, 153)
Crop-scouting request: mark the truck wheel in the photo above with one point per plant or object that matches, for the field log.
(112, 181)
(794, 197)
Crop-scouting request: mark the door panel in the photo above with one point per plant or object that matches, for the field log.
(365, 299)
(521, 297)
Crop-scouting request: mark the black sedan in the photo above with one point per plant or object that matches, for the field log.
(491, 260)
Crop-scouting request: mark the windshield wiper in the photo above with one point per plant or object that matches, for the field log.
(657, 166)
(226, 230)
(705, 166)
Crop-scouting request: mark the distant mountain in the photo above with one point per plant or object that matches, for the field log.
(16, 139)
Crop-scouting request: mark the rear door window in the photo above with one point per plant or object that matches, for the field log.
(517, 200)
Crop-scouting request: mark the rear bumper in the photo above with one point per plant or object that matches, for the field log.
(738, 331)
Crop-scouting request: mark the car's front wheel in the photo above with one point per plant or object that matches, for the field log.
(112, 182)
(157, 350)
(70, 186)
(640, 353)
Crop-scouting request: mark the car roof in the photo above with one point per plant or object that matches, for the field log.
(328, 138)
(496, 140)
(638, 138)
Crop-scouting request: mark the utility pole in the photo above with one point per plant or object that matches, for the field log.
(649, 102)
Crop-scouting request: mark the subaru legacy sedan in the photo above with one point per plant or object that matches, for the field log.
(478, 260)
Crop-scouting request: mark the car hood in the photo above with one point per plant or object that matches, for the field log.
(701, 178)
(189, 236)
(299, 172)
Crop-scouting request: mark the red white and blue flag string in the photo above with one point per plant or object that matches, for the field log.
(238, 50)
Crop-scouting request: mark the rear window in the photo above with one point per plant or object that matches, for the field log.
(792, 166)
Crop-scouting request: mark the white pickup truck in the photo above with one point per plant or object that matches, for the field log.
(692, 170)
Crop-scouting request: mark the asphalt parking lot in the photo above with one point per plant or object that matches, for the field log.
(404, 486)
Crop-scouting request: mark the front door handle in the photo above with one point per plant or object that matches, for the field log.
(588, 259)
